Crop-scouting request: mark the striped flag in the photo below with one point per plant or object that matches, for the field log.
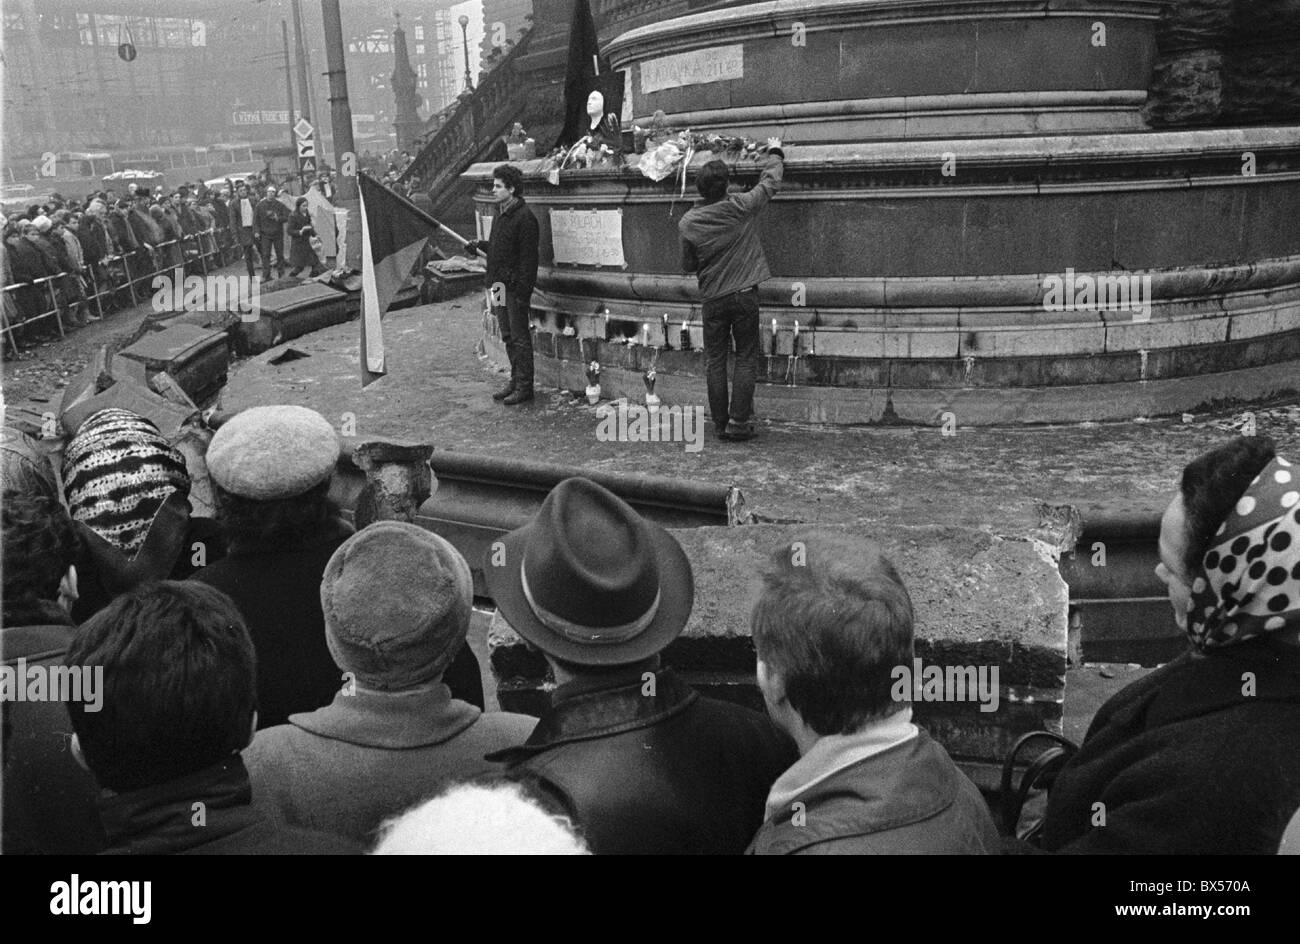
(393, 234)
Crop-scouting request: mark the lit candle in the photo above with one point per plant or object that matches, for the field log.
(773, 326)
(645, 334)
(796, 329)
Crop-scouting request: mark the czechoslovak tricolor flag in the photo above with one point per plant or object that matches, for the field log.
(393, 234)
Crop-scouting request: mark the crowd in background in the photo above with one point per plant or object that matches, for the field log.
(85, 255)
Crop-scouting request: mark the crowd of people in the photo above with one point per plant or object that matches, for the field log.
(275, 682)
(85, 256)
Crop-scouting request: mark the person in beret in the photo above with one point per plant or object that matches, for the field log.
(270, 468)
(645, 762)
(397, 601)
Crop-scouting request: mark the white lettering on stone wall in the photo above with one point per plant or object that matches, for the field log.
(699, 67)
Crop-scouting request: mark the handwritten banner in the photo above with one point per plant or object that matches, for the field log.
(699, 67)
(588, 237)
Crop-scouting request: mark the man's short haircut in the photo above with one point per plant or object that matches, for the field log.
(1211, 485)
(511, 176)
(179, 686)
(712, 180)
(39, 545)
(833, 621)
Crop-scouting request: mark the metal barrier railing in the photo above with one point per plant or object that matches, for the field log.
(55, 311)
(116, 273)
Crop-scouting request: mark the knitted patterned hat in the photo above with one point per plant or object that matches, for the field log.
(117, 471)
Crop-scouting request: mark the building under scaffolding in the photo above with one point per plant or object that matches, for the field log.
(206, 72)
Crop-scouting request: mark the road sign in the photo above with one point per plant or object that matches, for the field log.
(307, 165)
(306, 147)
(303, 128)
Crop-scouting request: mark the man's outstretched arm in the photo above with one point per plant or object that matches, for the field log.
(769, 183)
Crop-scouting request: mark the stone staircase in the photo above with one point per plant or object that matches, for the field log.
(477, 124)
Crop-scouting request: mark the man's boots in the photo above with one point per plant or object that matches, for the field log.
(504, 391)
(521, 395)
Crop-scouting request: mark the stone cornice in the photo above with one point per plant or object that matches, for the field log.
(733, 24)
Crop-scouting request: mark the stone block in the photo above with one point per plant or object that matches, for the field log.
(291, 313)
(195, 357)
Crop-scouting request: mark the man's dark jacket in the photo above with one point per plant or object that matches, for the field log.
(49, 799)
(1195, 758)
(163, 820)
(94, 238)
(668, 772)
(512, 250)
(269, 217)
(277, 591)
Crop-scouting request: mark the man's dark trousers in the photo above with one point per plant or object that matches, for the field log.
(729, 317)
(267, 242)
(512, 319)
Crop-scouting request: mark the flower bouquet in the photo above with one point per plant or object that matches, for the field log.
(593, 383)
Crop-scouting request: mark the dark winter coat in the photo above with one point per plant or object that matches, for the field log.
(160, 820)
(1201, 756)
(119, 228)
(143, 226)
(49, 799)
(96, 243)
(668, 772)
(278, 593)
(269, 217)
(512, 251)
(301, 255)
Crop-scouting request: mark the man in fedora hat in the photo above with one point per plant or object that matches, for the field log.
(646, 763)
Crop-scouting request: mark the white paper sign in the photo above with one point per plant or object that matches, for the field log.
(626, 117)
(699, 67)
(588, 237)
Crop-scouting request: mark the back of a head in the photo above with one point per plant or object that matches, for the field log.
(40, 545)
(397, 602)
(712, 180)
(1211, 485)
(118, 469)
(480, 819)
(834, 620)
(178, 684)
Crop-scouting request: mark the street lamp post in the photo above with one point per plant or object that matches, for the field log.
(464, 36)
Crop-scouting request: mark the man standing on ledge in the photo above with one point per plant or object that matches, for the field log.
(720, 243)
(511, 275)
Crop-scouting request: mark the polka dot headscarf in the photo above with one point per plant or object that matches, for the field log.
(1251, 583)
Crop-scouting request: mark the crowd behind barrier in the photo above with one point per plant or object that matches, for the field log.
(73, 261)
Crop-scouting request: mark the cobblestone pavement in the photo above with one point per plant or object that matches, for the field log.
(437, 391)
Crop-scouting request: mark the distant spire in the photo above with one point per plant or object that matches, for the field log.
(406, 90)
